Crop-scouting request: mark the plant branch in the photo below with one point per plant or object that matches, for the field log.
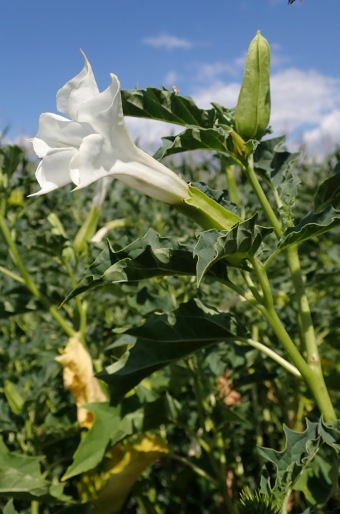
(271, 354)
(12, 275)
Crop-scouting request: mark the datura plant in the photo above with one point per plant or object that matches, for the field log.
(257, 303)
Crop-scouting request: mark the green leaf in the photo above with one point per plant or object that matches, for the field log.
(165, 339)
(288, 191)
(147, 257)
(10, 157)
(9, 508)
(301, 449)
(113, 424)
(317, 481)
(20, 478)
(194, 138)
(164, 105)
(328, 193)
(273, 163)
(91, 449)
(326, 214)
(313, 225)
(220, 196)
(13, 397)
(236, 245)
(253, 106)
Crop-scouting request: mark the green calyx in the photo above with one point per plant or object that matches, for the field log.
(86, 231)
(206, 212)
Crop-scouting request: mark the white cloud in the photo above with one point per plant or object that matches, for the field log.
(212, 71)
(167, 41)
(302, 97)
(325, 137)
(217, 92)
(148, 133)
(171, 78)
(209, 72)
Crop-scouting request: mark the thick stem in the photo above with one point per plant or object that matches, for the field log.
(306, 322)
(313, 377)
(29, 282)
(311, 372)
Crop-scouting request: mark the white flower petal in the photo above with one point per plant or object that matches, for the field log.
(86, 165)
(105, 113)
(54, 170)
(58, 132)
(77, 91)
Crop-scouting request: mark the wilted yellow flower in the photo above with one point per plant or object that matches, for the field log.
(79, 379)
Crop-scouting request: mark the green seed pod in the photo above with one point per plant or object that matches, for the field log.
(253, 105)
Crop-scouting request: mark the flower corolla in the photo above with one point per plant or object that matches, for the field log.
(91, 142)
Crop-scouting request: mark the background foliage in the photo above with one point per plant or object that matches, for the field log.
(209, 410)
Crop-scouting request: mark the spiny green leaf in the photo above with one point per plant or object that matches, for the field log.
(194, 138)
(324, 217)
(147, 257)
(301, 449)
(318, 479)
(235, 246)
(272, 162)
(164, 105)
(165, 339)
(288, 191)
(312, 225)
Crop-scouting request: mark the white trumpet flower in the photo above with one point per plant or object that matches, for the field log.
(92, 142)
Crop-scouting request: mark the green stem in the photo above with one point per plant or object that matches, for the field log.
(271, 354)
(11, 274)
(313, 377)
(81, 306)
(29, 282)
(311, 372)
(199, 471)
(306, 322)
(34, 507)
(267, 208)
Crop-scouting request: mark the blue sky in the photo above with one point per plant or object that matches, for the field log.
(197, 45)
